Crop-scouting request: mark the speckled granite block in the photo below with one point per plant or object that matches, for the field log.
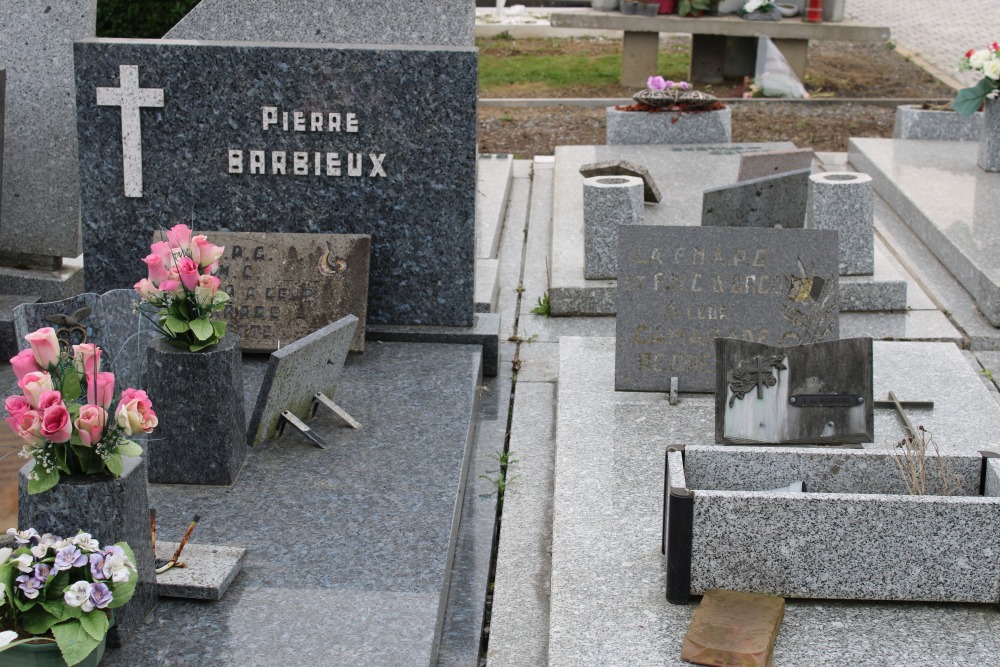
(51, 284)
(485, 331)
(208, 570)
(650, 192)
(121, 333)
(769, 201)
(406, 176)
(845, 202)
(41, 176)
(989, 137)
(667, 127)
(299, 371)
(198, 398)
(608, 203)
(8, 334)
(442, 22)
(846, 538)
(769, 163)
(915, 123)
(992, 487)
(112, 510)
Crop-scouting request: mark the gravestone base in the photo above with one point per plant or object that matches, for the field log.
(484, 331)
(49, 285)
(8, 333)
(198, 398)
(112, 510)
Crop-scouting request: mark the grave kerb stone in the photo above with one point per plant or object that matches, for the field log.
(778, 200)
(769, 163)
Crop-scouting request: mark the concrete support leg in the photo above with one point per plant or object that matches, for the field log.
(708, 57)
(639, 54)
(740, 57)
(796, 52)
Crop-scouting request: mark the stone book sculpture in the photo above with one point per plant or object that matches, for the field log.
(819, 393)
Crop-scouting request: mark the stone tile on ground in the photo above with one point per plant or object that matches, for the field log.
(540, 362)
(912, 325)
(487, 285)
(512, 249)
(208, 571)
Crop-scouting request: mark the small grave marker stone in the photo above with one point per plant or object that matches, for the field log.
(285, 286)
(818, 393)
(770, 201)
(769, 163)
(680, 288)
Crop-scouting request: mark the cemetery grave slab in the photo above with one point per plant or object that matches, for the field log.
(947, 201)
(285, 286)
(286, 138)
(209, 570)
(485, 331)
(683, 287)
(377, 510)
(854, 534)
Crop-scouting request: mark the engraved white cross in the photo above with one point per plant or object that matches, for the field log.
(130, 97)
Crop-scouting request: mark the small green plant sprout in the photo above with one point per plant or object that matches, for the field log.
(988, 373)
(503, 478)
(543, 307)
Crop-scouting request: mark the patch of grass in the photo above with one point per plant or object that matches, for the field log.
(543, 308)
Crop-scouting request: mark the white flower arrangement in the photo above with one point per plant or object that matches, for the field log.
(987, 61)
(751, 6)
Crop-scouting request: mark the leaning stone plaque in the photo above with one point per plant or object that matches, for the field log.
(818, 393)
(680, 288)
(296, 373)
(285, 286)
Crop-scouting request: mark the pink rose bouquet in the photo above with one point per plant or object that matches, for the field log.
(64, 412)
(182, 290)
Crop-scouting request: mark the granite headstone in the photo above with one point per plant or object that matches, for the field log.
(817, 393)
(769, 163)
(298, 372)
(770, 201)
(285, 286)
(440, 23)
(283, 138)
(41, 177)
(680, 288)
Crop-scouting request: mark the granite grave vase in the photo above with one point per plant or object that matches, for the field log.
(669, 127)
(47, 655)
(198, 399)
(112, 510)
(989, 139)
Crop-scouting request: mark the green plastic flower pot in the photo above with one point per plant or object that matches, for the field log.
(46, 655)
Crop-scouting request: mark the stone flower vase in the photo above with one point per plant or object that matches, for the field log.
(112, 510)
(989, 140)
(669, 127)
(198, 399)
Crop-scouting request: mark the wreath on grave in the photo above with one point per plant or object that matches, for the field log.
(678, 96)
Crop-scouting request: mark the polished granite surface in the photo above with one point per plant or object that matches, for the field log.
(348, 547)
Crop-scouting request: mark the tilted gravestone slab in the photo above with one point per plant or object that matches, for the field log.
(441, 23)
(41, 177)
(298, 372)
(769, 163)
(771, 201)
(680, 288)
(817, 393)
(245, 137)
(285, 286)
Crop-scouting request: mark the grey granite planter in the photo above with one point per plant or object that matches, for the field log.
(669, 127)
(112, 510)
(608, 203)
(198, 399)
(989, 139)
(912, 122)
(855, 534)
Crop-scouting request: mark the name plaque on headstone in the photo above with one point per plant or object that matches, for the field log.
(247, 137)
(680, 288)
(819, 393)
(285, 286)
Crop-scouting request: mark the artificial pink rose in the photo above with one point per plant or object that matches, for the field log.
(211, 269)
(87, 358)
(16, 405)
(56, 424)
(205, 291)
(90, 424)
(172, 287)
(24, 362)
(45, 346)
(29, 427)
(147, 290)
(179, 237)
(101, 389)
(48, 399)
(197, 243)
(157, 269)
(205, 253)
(188, 270)
(135, 412)
(656, 83)
(162, 249)
(34, 385)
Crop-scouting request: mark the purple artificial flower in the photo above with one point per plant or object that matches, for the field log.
(67, 557)
(42, 572)
(100, 596)
(29, 586)
(683, 85)
(23, 536)
(97, 565)
(656, 83)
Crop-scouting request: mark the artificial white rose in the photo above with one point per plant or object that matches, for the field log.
(992, 69)
(980, 58)
(752, 6)
(7, 636)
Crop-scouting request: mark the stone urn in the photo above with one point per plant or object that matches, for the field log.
(914, 122)
(989, 139)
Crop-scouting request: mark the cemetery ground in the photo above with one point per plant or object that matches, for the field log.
(843, 80)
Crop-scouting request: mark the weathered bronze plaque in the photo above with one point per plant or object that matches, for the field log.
(285, 286)
(807, 394)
